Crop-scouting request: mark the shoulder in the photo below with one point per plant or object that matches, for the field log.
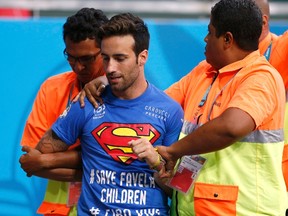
(261, 73)
(160, 96)
(283, 41)
(63, 77)
(203, 65)
(75, 110)
(198, 72)
(59, 81)
(284, 35)
(263, 65)
(200, 69)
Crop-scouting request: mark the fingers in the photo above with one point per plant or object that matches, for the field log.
(100, 89)
(145, 151)
(142, 148)
(96, 95)
(170, 163)
(29, 161)
(26, 148)
(169, 168)
(93, 94)
(21, 159)
(22, 164)
(81, 97)
(76, 98)
(165, 175)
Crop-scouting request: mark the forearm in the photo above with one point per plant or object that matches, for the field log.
(205, 139)
(214, 135)
(68, 159)
(160, 182)
(61, 174)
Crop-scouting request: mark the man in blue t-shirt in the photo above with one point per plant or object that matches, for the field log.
(114, 181)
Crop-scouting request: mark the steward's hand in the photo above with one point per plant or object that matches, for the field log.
(93, 91)
(170, 162)
(31, 160)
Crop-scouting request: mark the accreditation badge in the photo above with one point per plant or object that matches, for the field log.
(186, 173)
(74, 191)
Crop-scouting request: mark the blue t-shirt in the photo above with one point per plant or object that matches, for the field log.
(114, 182)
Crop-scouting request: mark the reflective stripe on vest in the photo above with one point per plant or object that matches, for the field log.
(55, 199)
(250, 169)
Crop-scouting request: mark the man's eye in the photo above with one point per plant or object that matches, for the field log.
(120, 59)
(86, 58)
(105, 58)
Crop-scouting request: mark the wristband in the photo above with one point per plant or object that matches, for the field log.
(160, 162)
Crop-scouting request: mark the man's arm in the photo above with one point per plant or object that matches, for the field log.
(51, 143)
(48, 155)
(61, 174)
(145, 151)
(217, 134)
(34, 161)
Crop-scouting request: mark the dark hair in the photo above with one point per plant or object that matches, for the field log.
(242, 18)
(84, 24)
(127, 24)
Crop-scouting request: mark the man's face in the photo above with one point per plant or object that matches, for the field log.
(121, 65)
(214, 48)
(84, 58)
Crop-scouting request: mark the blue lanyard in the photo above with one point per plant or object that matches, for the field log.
(70, 99)
(70, 95)
(204, 98)
(268, 51)
(211, 109)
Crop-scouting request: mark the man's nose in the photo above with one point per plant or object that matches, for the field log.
(77, 67)
(111, 66)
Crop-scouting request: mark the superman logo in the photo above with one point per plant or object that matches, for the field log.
(114, 138)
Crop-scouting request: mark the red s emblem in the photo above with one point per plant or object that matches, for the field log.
(114, 137)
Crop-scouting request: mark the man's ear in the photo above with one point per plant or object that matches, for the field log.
(228, 40)
(265, 22)
(142, 57)
(228, 37)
